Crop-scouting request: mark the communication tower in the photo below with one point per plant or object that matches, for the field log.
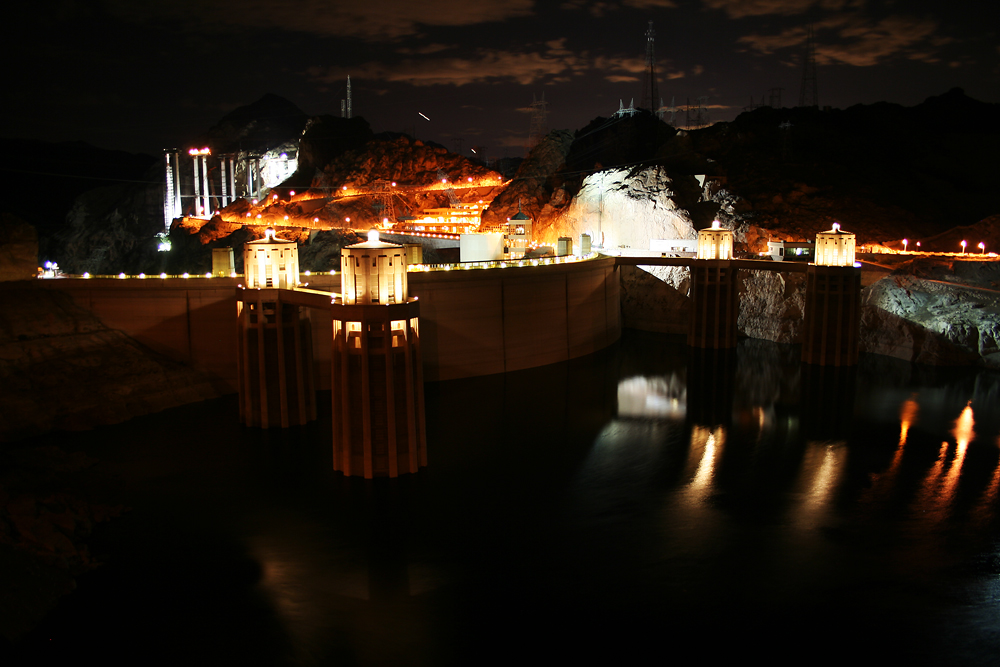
(808, 93)
(539, 116)
(774, 97)
(345, 105)
(650, 91)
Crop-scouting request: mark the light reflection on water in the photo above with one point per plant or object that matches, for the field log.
(636, 499)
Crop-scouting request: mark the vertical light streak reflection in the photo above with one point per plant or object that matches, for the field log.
(907, 417)
(700, 486)
(939, 487)
(926, 496)
(983, 512)
(820, 471)
(963, 426)
(883, 483)
(691, 524)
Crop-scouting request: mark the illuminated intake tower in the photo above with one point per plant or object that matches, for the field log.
(377, 376)
(277, 387)
(713, 291)
(831, 325)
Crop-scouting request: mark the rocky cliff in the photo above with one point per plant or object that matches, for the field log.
(934, 321)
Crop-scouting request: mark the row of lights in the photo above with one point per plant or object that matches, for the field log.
(964, 243)
(500, 264)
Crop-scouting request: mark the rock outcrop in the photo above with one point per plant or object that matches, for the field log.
(113, 229)
(624, 209)
(932, 322)
(771, 305)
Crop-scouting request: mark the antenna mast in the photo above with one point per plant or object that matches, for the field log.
(350, 112)
(650, 92)
(539, 114)
(808, 93)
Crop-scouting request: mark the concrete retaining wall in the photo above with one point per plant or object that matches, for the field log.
(472, 322)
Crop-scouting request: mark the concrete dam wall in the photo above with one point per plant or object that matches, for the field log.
(472, 322)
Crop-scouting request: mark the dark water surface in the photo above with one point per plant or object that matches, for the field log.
(637, 505)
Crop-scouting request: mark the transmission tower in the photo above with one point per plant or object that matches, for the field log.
(650, 91)
(808, 93)
(383, 205)
(774, 97)
(539, 115)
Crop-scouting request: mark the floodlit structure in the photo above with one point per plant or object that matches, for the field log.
(832, 320)
(835, 247)
(517, 236)
(714, 294)
(377, 375)
(276, 381)
(202, 205)
(715, 242)
(564, 246)
(456, 219)
(172, 188)
(780, 251)
(584, 244)
(227, 167)
(222, 262)
(480, 247)
(271, 262)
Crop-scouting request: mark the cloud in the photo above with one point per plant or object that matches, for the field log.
(484, 66)
(595, 9)
(650, 4)
(852, 39)
(621, 78)
(369, 20)
(598, 8)
(738, 9)
(424, 50)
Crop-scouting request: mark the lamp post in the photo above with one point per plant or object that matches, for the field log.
(905, 241)
(982, 248)
(963, 246)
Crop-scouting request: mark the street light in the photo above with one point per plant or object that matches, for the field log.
(982, 248)
(963, 246)
(905, 241)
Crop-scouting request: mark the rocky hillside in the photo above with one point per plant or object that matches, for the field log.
(885, 171)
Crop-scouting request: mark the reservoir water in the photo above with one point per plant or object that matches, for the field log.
(640, 504)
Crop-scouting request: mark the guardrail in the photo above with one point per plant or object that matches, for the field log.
(502, 263)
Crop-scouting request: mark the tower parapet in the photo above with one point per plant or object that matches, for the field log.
(714, 293)
(271, 262)
(832, 321)
(277, 386)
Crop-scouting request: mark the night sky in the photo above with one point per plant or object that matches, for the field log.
(142, 76)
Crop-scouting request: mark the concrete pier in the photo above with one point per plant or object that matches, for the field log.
(276, 382)
(714, 304)
(832, 318)
(378, 390)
